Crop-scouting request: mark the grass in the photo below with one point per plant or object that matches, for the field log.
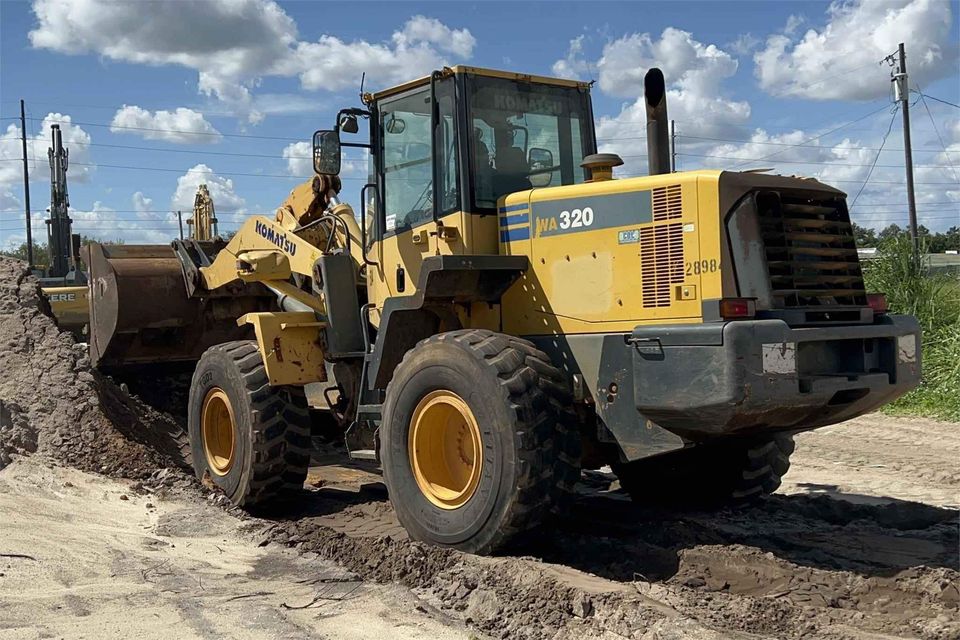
(935, 300)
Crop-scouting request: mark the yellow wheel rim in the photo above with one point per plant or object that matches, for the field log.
(219, 432)
(446, 452)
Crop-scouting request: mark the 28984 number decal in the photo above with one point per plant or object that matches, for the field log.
(701, 266)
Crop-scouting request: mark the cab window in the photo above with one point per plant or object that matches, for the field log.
(524, 135)
(408, 161)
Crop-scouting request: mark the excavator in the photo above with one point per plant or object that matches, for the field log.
(504, 312)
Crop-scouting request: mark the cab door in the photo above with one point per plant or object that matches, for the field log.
(406, 231)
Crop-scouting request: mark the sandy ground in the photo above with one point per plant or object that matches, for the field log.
(106, 561)
(876, 457)
(83, 556)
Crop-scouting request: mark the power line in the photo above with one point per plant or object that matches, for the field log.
(923, 99)
(180, 131)
(817, 137)
(819, 162)
(194, 151)
(789, 144)
(893, 117)
(204, 171)
(956, 106)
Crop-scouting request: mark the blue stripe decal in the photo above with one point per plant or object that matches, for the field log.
(515, 207)
(520, 218)
(513, 235)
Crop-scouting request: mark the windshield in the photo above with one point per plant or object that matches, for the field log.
(524, 135)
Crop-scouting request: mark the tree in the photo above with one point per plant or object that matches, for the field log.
(865, 236)
(890, 232)
(40, 257)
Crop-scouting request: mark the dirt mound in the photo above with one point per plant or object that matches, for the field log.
(53, 403)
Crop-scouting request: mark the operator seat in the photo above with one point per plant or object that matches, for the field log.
(512, 172)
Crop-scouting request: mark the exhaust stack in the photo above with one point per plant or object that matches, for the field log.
(658, 146)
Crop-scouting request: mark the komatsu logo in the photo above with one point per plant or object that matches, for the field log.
(279, 239)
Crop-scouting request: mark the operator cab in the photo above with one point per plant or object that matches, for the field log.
(464, 138)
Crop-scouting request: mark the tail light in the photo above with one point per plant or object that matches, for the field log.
(877, 302)
(732, 308)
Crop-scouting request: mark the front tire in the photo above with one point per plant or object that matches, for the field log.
(474, 444)
(250, 439)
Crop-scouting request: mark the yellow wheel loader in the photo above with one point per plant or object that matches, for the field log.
(504, 312)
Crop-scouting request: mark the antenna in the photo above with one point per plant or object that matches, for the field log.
(363, 77)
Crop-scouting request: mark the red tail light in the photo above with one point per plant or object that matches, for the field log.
(877, 302)
(731, 308)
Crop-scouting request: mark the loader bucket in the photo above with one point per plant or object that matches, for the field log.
(140, 312)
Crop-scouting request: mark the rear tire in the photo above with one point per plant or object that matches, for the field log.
(250, 439)
(733, 471)
(507, 394)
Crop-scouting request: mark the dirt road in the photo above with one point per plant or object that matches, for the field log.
(861, 542)
(876, 457)
(109, 559)
(83, 556)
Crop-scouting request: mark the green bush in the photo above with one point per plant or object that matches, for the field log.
(903, 276)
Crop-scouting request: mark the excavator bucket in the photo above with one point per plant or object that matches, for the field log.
(141, 312)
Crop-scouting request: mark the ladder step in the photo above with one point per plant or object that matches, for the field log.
(363, 454)
(370, 411)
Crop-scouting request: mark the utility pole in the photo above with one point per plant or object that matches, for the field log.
(180, 221)
(26, 185)
(902, 93)
(673, 146)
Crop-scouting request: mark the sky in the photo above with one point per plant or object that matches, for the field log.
(155, 97)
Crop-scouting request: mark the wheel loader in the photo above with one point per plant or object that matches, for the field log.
(504, 312)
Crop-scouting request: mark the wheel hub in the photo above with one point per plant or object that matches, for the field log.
(446, 451)
(219, 431)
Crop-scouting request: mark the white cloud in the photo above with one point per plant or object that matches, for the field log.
(182, 125)
(745, 44)
(232, 44)
(75, 139)
(841, 60)
(574, 65)
(102, 222)
(230, 41)
(142, 205)
(420, 29)
(794, 22)
(298, 155)
(694, 73)
(416, 49)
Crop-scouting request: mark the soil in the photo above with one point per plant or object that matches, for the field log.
(861, 542)
(53, 403)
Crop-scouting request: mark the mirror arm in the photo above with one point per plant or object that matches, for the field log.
(434, 124)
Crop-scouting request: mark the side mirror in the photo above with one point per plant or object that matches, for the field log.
(395, 125)
(326, 152)
(541, 166)
(348, 123)
(539, 158)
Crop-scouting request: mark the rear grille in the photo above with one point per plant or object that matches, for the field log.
(811, 252)
(661, 262)
(667, 204)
